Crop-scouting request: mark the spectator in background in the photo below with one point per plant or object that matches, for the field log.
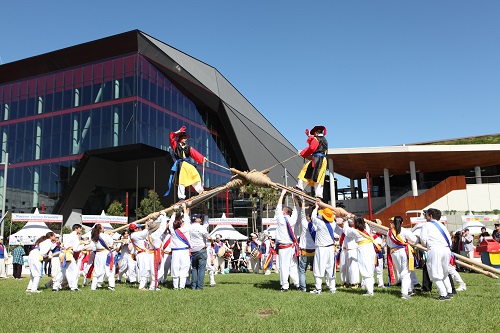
(496, 233)
(3, 255)
(17, 261)
(468, 245)
(483, 234)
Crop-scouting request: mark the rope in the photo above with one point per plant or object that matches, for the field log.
(223, 167)
(284, 161)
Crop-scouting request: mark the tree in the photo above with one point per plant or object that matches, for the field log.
(149, 204)
(10, 227)
(115, 209)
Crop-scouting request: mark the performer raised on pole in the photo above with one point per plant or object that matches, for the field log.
(185, 173)
(314, 171)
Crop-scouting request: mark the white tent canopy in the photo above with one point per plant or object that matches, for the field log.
(227, 232)
(474, 227)
(29, 233)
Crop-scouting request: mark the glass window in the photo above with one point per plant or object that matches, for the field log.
(83, 134)
(107, 91)
(58, 101)
(127, 124)
(68, 98)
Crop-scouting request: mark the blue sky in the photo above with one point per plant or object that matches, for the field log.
(373, 72)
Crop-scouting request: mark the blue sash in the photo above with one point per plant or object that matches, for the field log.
(318, 154)
(310, 227)
(110, 258)
(182, 237)
(442, 232)
(330, 230)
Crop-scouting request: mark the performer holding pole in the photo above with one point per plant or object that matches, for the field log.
(185, 173)
(314, 171)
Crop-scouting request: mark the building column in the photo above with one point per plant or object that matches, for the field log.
(360, 189)
(332, 183)
(477, 171)
(353, 189)
(413, 175)
(387, 186)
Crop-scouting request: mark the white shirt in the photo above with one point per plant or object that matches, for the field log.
(98, 246)
(282, 236)
(155, 238)
(306, 241)
(432, 237)
(323, 237)
(138, 240)
(198, 235)
(405, 234)
(73, 241)
(176, 242)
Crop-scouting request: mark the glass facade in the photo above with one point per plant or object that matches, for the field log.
(48, 122)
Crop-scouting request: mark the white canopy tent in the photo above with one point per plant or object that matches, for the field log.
(474, 227)
(29, 233)
(227, 232)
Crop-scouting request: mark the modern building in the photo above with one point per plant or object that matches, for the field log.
(87, 124)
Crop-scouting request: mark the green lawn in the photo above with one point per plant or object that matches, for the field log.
(248, 303)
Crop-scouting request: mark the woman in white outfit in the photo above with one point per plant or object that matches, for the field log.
(398, 240)
(102, 244)
(41, 251)
(366, 252)
(179, 226)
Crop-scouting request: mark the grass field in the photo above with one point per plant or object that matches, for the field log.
(248, 303)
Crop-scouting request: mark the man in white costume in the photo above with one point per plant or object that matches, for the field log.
(71, 251)
(287, 243)
(104, 265)
(154, 243)
(138, 239)
(436, 237)
(324, 254)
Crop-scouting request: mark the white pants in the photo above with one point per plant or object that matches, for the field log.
(132, 269)
(181, 190)
(324, 265)
(438, 262)
(143, 268)
(366, 261)
(166, 264)
(288, 267)
(180, 267)
(318, 188)
(36, 270)
(3, 273)
(349, 268)
(400, 261)
(71, 273)
(219, 264)
(56, 272)
(255, 265)
(101, 270)
(123, 266)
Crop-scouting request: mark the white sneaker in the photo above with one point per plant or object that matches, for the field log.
(333, 291)
(462, 287)
(35, 291)
(368, 294)
(316, 291)
(405, 296)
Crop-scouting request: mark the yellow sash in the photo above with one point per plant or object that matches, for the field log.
(409, 250)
